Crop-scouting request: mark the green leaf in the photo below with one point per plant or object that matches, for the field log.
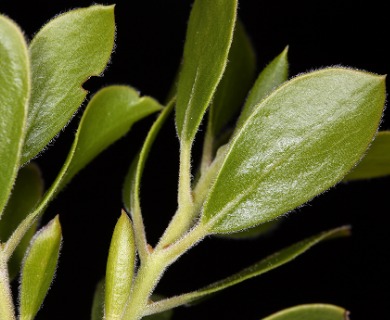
(208, 39)
(99, 127)
(38, 268)
(131, 186)
(376, 162)
(273, 75)
(26, 194)
(109, 116)
(272, 262)
(235, 83)
(64, 54)
(120, 268)
(311, 312)
(97, 311)
(301, 140)
(14, 95)
(255, 232)
(166, 315)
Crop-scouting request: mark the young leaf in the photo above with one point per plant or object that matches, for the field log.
(166, 315)
(64, 54)
(376, 163)
(120, 268)
(14, 95)
(135, 171)
(132, 183)
(208, 39)
(273, 75)
(109, 116)
(235, 83)
(26, 194)
(301, 140)
(313, 311)
(97, 311)
(272, 262)
(38, 268)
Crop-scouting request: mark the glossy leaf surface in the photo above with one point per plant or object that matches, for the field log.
(311, 312)
(64, 54)
(276, 260)
(14, 95)
(120, 268)
(300, 141)
(208, 39)
(97, 310)
(235, 83)
(109, 116)
(272, 76)
(26, 194)
(376, 162)
(38, 268)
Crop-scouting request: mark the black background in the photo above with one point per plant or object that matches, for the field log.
(349, 272)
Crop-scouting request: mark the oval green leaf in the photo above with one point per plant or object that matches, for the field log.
(208, 40)
(64, 54)
(272, 262)
(109, 116)
(14, 95)
(315, 311)
(301, 140)
(272, 76)
(120, 268)
(38, 268)
(376, 162)
(27, 192)
(97, 310)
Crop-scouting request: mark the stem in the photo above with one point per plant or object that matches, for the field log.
(205, 182)
(24, 226)
(147, 278)
(184, 216)
(7, 311)
(139, 228)
(139, 231)
(152, 270)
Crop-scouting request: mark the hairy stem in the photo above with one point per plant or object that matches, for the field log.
(7, 311)
(152, 270)
(184, 216)
(139, 228)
